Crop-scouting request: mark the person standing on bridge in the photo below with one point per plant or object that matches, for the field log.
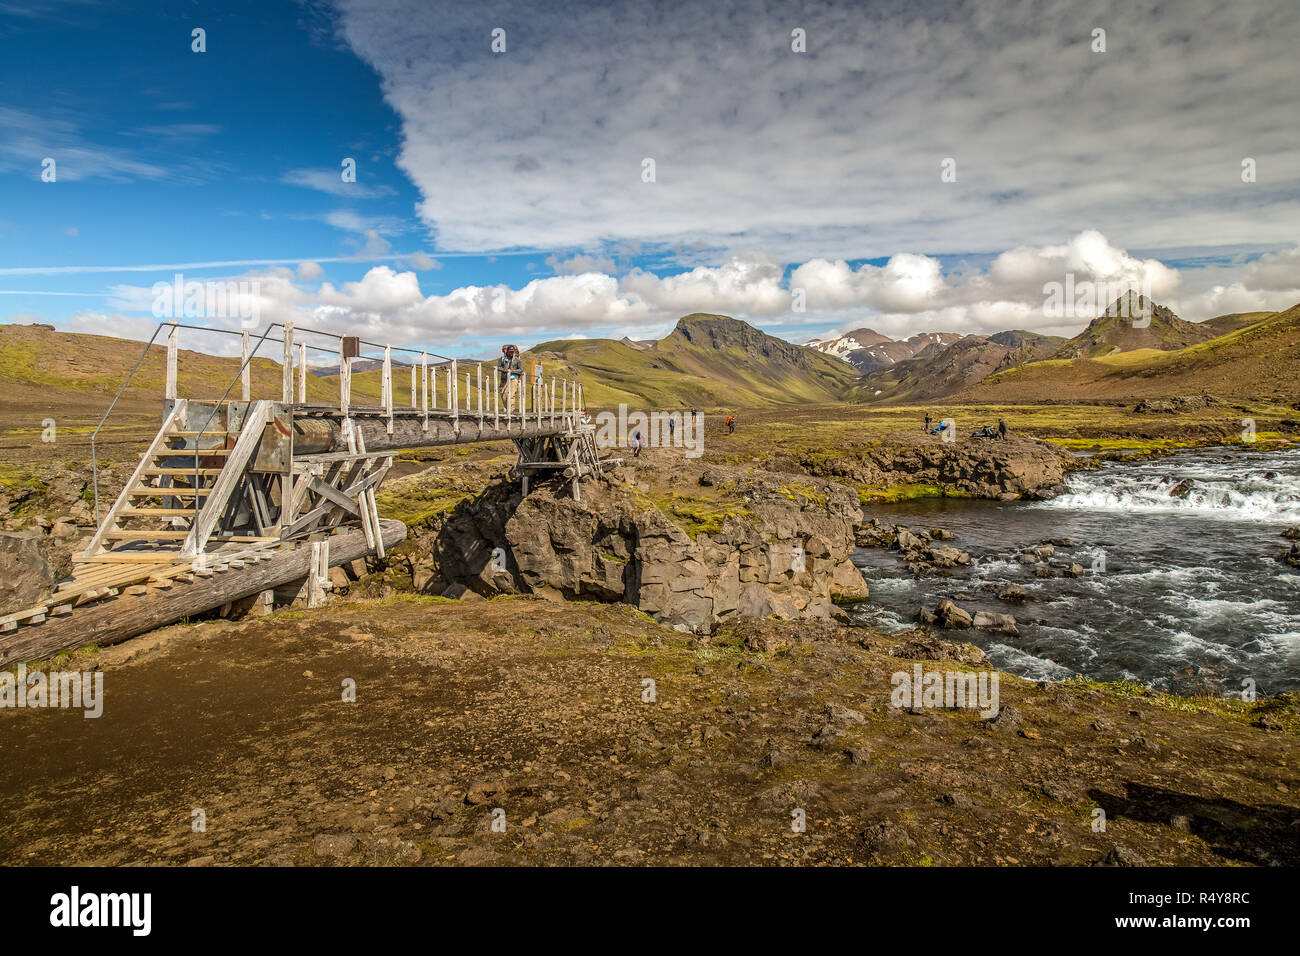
(511, 367)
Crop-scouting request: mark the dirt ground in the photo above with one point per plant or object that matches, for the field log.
(537, 709)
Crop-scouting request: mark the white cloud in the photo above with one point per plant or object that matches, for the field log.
(422, 262)
(310, 270)
(580, 263)
(374, 246)
(746, 284)
(26, 140)
(1274, 271)
(331, 181)
(836, 153)
(906, 295)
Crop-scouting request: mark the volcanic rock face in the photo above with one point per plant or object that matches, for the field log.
(780, 551)
(980, 467)
(30, 563)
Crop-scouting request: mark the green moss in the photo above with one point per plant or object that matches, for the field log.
(877, 494)
(16, 478)
(416, 507)
(807, 492)
(695, 515)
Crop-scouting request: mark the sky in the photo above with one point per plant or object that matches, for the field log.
(534, 171)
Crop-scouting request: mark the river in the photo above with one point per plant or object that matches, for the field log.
(1182, 593)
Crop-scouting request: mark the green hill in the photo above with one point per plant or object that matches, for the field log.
(1260, 361)
(1134, 322)
(707, 361)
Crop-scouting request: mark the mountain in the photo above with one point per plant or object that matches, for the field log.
(1034, 341)
(942, 367)
(923, 341)
(1258, 362)
(867, 350)
(937, 371)
(1223, 324)
(864, 349)
(1134, 322)
(639, 344)
(706, 361)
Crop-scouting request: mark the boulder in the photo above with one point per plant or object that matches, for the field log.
(944, 556)
(30, 565)
(951, 616)
(1013, 592)
(781, 554)
(1004, 623)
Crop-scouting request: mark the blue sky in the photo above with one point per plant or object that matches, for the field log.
(500, 193)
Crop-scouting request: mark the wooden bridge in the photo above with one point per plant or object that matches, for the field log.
(250, 501)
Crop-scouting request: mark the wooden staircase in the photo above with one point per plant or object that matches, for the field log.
(179, 491)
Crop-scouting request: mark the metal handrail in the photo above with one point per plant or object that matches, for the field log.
(94, 457)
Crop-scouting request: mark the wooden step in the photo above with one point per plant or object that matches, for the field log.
(122, 534)
(191, 452)
(182, 472)
(129, 512)
(169, 492)
(185, 434)
(129, 535)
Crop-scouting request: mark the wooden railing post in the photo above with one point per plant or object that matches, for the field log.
(478, 387)
(455, 396)
(496, 397)
(424, 386)
(286, 390)
(345, 380)
(302, 372)
(388, 386)
(246, 368)
(415, 402)
(173, 347)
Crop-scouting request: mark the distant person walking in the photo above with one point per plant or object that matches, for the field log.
(672, 427)
(927, 423)
(636, 445)
(731, 424)
(1002, 429)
